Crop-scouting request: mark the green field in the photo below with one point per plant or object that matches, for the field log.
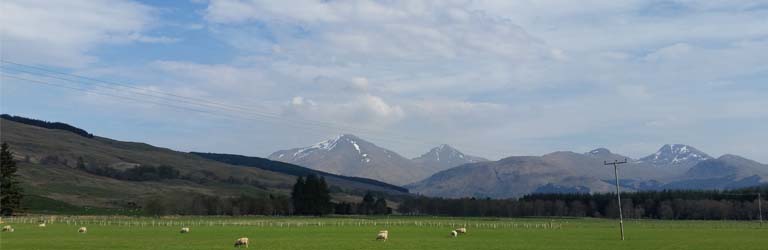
(359, 233)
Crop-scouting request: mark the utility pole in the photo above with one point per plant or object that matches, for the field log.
(616, 164)
(760, 206)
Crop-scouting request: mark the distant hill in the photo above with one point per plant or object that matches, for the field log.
(444, 157)
(352, 156)
(45, 124)
(295, 170)
(725, 172)
(569, 172)
(675, 155)
(64, 167)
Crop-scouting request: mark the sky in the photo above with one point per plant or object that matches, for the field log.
(492, 78)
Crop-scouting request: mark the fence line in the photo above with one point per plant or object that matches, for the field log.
(280, 223)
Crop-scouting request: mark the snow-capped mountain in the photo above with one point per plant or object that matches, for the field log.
(444, 157)
(605, 155)
(351, 156)
(675, 155)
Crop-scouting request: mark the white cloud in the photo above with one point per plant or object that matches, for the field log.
(518, 70)
(520, 77)
(62, 33)
(671, 52)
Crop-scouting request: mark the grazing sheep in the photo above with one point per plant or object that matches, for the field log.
(461, 230)
(41, 225)
(184, 230)
(454, 233)
(7, 228)
(241, 242)
(82, 230)
(383, 235)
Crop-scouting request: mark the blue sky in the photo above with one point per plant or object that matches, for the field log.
(492, 78)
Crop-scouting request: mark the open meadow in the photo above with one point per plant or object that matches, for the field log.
(359, 233)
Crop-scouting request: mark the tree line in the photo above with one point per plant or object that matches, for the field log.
(682, 204)
(48, 125)
(310, 196)
(137, 173)
(200, 204)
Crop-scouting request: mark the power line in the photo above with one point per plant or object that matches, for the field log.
(170, 97)
(170, 105)
(179, 98)
(273, 117)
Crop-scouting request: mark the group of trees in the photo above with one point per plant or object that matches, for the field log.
(48, 125)
(10, 190)
(701, 205)
(311, 196)
(137, 173)
(200, 204)
(370, 205)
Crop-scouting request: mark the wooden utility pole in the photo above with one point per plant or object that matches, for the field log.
(760, 206)
(616, 164)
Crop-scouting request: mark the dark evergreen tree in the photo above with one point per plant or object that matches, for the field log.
(369, 202)
(380, 206)
(324, 205)
(311, 196)
(298, 196)
(10, 190)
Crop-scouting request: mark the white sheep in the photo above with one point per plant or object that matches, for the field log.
(7, 228)
(184, 230)
(383, 235)
(82, 230)
(461, 230)
(41, 225)
(241, 242)
(454, 233)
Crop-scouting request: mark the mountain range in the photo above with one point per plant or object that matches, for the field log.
(67, 164)
(674, 166)
(446, 172)
(350, 155)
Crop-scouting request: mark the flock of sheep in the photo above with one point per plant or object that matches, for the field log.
(383, 235)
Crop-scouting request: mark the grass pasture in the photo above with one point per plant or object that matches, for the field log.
(358, 233)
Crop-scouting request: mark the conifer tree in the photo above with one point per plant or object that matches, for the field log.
(10, 191)
(298, 196)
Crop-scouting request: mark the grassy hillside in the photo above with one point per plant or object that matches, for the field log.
(65, 167)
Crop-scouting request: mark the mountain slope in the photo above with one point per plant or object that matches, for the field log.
(725, 172)
(444, 157)
(351, 156)
(101, 172)
(295, 170)
(508, 177)
(568, 172)
(675, 155)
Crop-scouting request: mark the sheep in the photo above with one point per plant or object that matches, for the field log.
(454, 233)
(241, 242)
(41, 224)
(184, 230)
(82, 230)
(7, 228)
(383, 235)
(462, 230)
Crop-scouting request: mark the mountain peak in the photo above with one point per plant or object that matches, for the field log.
(444, 156)
(349, 155)
(444, 151)
(599, 151)
(676, 155)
